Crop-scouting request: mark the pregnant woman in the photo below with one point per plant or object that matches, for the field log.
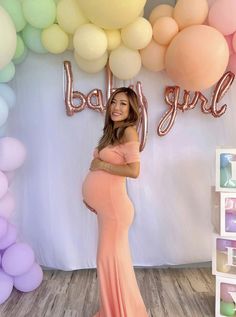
(104, 192)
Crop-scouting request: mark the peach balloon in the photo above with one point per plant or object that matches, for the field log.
(153, 56)
(197, 57)
(234, 42)
(229, 40)
(162, 10)
(232, 63)
(190, 12)
(164, 29)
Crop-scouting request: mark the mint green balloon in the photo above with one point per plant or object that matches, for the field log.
(226, 177)
(7, 73)
(21, 58)
(20, 46)
(227, 309)
(39, 13)
(14, 9)
(32, 39)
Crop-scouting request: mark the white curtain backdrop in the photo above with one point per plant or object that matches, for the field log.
(172, 196)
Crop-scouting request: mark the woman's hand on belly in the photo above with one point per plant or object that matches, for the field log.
(90, 208)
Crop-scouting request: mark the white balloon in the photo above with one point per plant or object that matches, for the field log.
(3, 111)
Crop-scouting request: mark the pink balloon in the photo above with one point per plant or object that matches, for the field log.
(197, 57)
(3, 184)
(7, 205)
(229, 42)
(3, 227)
(10, 176)
(9, 238)
(13, 154)
(222, 16)
(234, 42)
(17, 259)
(30, 280)
(6, 286)
(224, 289)
(232, 63)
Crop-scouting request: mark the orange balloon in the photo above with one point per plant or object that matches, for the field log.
(162, 10)
(190, 12)
(153, 56)
(164, 29)
(197, 57)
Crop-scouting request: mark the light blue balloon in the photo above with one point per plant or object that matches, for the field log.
(3, 111)
(32, 39)
(225, 159)
(7, 73)
(8, 95)
(226, 177)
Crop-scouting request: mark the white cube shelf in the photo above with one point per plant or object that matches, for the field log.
(225, 296)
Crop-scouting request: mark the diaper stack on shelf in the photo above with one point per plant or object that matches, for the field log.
(224, 248)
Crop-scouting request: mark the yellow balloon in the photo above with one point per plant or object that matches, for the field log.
(153, 56)
(54, 39)
(124, 62)
(7, 38)
(137, 34)
(90, 41)
(70, 46)
(162, 10)
(70, 16)
(93, 66)
(113, 14)
(190, 12)
(113, 39)
(164, 29)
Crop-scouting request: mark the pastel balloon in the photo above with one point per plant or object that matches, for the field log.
(221, 262)
(162, 10)
(192, 12)
(232, 63)
(6, 286)
(224, 292)
(14, 9)
(17, 259)
(137, 34)
(125, 56)
(3, 184)
(8, 37)
(22, 57)
(234, 42)
(222, 16)
(90, 41)
(230, 222)
(153, 56)
(8, 95)
(222, 244)
(164, 29)
(7, 73)
(7, 205)
(13, 154)
(32, 39)
(113, 39)
(3, 227)
(204, 60)
(225, 159)
(70, 16)
(3, 111)
(30, 280)
(20, 47)
(9, 238)
(227, 309)
(229, 40)
(54, 39)
(115, 16)
(92, 66)
(40, 14)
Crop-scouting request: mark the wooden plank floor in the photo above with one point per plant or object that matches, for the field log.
(167, 292)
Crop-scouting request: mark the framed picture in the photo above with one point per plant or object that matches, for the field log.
(226, 170)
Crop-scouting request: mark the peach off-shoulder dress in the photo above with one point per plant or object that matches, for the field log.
(119, 294)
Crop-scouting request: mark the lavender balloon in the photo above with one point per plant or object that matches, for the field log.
(30, 280)
(7, 205)
(13, 154)
(9, 238)
(6, 286)
(3, 227)
(17, 259)
(222, 244)
(230, 222)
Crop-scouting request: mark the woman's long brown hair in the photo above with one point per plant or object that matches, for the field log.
(113, 135)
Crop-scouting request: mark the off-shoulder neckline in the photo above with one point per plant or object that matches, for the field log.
(123, 143)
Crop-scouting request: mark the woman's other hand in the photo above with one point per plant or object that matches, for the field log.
(96, 164)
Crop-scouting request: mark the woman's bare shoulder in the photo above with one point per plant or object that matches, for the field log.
(131, 134)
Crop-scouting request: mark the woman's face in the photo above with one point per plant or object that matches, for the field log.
(119, 109)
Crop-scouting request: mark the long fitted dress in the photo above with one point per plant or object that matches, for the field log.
(119, 294)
